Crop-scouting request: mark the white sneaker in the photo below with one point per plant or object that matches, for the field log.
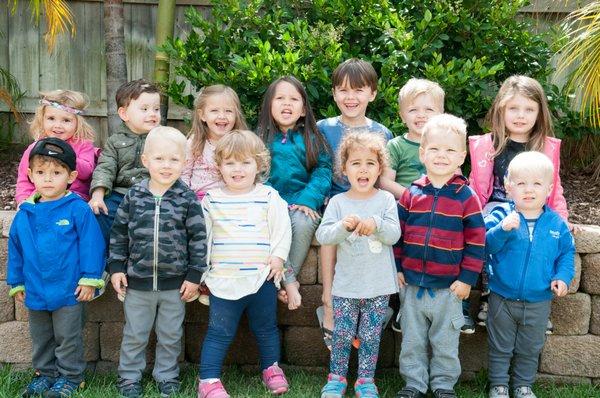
(498, 392)
(523, 392)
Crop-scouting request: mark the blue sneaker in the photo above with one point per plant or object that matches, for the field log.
(62, 388)
(335, 387)
(365, 388)
(38, 386)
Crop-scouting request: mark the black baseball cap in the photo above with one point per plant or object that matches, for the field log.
(57, 149)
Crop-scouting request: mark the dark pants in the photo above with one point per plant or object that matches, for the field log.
(105, 221)
(57, 342)
(224, 318)
(517, 332)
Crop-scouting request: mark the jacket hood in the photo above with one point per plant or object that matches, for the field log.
(31, 201)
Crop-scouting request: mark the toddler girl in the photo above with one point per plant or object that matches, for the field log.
(217, 111)
(300, 169)
(520, 121)
(363, 223)
(249, 236)
(60, 115)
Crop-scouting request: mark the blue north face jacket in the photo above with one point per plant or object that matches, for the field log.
(53, 247)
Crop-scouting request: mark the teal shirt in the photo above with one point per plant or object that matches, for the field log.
(289, 175)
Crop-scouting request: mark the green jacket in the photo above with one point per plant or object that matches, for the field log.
(120, 165)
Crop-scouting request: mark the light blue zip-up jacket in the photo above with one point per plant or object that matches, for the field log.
(521, 266)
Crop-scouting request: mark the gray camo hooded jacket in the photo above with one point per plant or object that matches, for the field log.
(158, 242)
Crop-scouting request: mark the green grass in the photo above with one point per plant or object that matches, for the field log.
(303, 384)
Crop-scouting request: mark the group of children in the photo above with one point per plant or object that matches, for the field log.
(228, 215)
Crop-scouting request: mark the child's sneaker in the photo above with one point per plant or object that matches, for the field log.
(38, 386)
(275, 380)
(482, 314)
(212, 390)
(365, 388)
(549, 327)
(168, 388)
(469, 326)
(396, 327)
(62, 388)
(523, 392)
(130, 388)
(335, 387)
(498, 392)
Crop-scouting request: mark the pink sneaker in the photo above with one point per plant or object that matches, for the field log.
(275, 380)
(212, 390)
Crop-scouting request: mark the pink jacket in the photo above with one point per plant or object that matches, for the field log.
(481, 178)
(201, 174)
(87, 156)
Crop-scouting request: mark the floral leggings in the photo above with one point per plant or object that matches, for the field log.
(368, 315)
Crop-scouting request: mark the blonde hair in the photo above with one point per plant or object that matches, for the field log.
(199, 129)
(243, 144)
(374, 142)
(415, 87)
(72, 99)
(163, 133)
(446, 123)
(532, 90)
(530, 162)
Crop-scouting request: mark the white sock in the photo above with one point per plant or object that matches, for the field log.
(209, 381)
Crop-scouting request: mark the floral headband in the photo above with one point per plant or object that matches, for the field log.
(62, 107)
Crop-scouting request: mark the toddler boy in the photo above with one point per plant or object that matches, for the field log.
(157, 255)
(55, 261)
(438, 258)
(531, 258)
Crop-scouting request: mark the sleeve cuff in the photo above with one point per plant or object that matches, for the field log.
(16, 289)
(116, 267)
(193, 276)
(468, 277)
(97, 283)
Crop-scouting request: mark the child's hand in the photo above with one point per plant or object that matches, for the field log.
(20, 297)
(401, 280)
(559, 288)
(119, 283)
(511, 221)
(460, 289)
(84, 293)
(366, 227)
(189, 291)
(350, 222)
(276, 266)
(97, 202)
(574, 228)
(306, 210)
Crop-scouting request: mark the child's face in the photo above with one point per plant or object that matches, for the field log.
(50, 179)
(520, 115)
(417, 112)
(164, 160)
(529, 190)
(142, 114)
(442, 154)
(362, 169)
(287, 106)
(219, 114)
(239, 175)
(58, 123)
(353, 102)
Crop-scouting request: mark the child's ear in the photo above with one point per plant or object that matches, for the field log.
(122, 112)
(29, 174)
(72, 176)
(464, 156)
(373, 96)
(421, 154)
(144, 160)
(550, 188)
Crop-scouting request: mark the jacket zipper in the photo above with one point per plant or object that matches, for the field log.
(155, 244)
(522, 281)
(428, 233)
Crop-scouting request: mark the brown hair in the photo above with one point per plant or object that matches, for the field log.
(199, 130)
(72, 99)
(374, 142)
(243, 144)
(132, 90)
(532, 90)
(359, 73)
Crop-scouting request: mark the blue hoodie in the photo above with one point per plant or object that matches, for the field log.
(53, 247)
(522, 268)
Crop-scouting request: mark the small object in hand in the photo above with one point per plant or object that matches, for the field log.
(204, 299)
(121, 296)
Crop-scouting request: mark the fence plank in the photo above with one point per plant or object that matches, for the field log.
(23, 45)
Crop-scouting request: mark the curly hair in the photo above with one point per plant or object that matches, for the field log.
(374, 142)
(241, 145)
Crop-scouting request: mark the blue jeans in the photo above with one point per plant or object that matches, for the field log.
(224, 318)
(105, 221)
(303, 230)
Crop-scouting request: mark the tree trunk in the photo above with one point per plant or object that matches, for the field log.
(116, 63)
(165, 26)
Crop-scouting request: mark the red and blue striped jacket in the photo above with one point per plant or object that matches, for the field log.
(443, 234)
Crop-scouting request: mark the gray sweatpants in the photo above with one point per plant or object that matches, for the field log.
(57, 342)
(303, 230)
(142, 309)
(517, 333)
(432, 319)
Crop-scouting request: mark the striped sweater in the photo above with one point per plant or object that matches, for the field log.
(443, 234)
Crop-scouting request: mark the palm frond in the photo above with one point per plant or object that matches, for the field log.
(582, 52)
(10, 92)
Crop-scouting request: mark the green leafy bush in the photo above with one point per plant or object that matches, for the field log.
(468, 46)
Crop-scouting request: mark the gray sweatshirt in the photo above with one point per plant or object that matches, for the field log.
(365, 265)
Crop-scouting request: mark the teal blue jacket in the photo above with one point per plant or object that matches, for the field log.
(289, 176)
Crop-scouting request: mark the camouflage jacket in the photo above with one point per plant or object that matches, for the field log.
(158, 241)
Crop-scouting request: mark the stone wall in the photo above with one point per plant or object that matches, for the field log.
(572, 354)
